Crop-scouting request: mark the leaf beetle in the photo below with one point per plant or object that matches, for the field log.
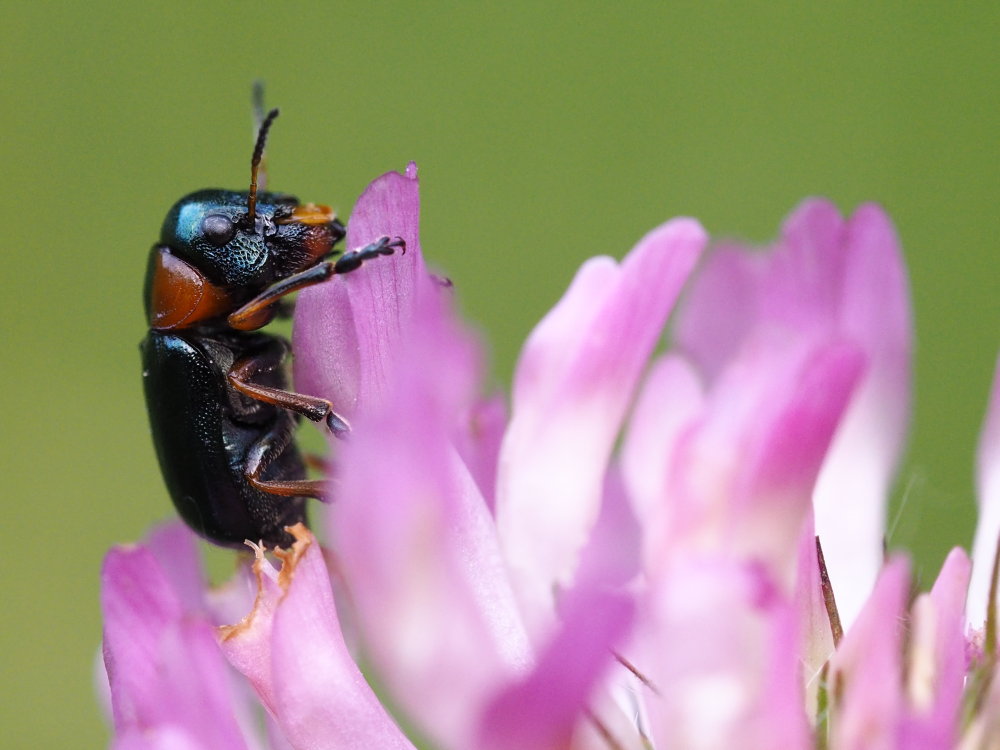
(221, 415)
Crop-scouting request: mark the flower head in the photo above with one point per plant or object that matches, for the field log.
(629, 558)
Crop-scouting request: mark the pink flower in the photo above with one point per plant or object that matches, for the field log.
(628, 560)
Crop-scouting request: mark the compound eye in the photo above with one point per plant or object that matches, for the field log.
(218, 229)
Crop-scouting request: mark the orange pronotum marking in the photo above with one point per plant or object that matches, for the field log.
(181, 296)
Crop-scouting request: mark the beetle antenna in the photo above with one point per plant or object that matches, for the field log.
(258, 154)
(258, 112)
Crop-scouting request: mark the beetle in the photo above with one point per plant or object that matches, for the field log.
(221, 415)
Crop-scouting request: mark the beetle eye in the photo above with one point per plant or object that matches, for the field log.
(218, 229)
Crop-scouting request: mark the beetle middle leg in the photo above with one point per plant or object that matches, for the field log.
(248, 369)
(269, 447)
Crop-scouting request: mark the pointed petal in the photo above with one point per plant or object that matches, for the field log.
(164, 666)
(936, 659)
(291, 648)
(868, 665)
(988, 486)
(852, 492)
(825, 279)
(573, 384)
(541, 710)
(347, 329)
(417, 545)
(741, 481)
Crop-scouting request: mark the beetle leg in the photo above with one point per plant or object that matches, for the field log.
(263, 452)
(352, 260)
(246, 370)
(259, 311)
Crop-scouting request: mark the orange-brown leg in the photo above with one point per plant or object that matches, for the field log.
(248, 369)
(264, 451)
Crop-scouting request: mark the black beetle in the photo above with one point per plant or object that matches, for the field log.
(222, 417)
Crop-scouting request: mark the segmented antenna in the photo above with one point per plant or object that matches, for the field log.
(258, 112)
(258, 153)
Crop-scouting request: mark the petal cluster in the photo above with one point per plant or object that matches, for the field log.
(674, 550)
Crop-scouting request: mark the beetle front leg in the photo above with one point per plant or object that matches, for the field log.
(248, 369)
(259, 311)
(353, 259)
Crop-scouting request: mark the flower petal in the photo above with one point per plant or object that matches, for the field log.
(988, 528)
(478, 439)
(936, 664)
(291, 648)
(853, 488)
(717, 649)
(417, 545)
(671, 398)
(868, 667)
(164, 666)
(542, 709)
(573, 385)
(741, 478)
(824, 280)
(347, 329)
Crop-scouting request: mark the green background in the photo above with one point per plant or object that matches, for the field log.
(545, 133)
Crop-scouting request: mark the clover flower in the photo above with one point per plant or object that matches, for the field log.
(677, 550)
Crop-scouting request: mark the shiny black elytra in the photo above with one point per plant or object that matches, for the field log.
(222, 418)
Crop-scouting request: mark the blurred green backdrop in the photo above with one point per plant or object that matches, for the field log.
(544, 134)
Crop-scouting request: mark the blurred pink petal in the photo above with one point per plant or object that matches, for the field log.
(825, 280)
(573, 384)
(742, 475)
(417, 545)
(477, 440)
(351, 325)
(670, 400)
(542, 710)
(611, 557)
(867, 668)
(936, 658)
(166, 674)
(988, 489)
(853, 489)
(291, 648)
(719, 645)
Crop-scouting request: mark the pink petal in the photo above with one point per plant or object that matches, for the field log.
(936, 664)
(478, 439)
(867, 667)
(347, 329)
(417, 545)
(291, 648)
(670, 400)
(164, 666)
(720, 650)
(610, 558)
(852, 492)
(542, 709)
(825, 279)
(175, 548)
(741, 479)
(573, 385)
(988, 486)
